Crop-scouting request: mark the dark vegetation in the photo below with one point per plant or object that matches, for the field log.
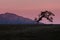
(29, 32)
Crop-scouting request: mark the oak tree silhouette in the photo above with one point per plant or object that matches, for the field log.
(45, 14)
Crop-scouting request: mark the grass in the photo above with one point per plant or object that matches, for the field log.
(29, 32)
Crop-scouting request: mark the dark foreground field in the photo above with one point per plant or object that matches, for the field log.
(29, 32)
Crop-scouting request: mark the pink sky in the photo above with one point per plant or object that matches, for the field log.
(31, 8)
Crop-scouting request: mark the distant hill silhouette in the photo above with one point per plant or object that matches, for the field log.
(11, 18)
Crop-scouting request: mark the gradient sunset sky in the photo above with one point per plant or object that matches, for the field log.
(31, 8)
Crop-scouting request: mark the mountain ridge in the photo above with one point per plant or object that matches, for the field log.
(11, 18)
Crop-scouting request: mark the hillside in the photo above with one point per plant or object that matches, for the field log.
(11, 18)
